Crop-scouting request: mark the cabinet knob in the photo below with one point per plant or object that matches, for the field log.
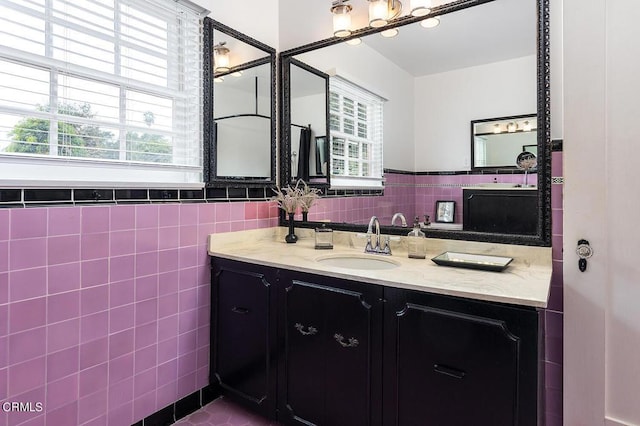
(311, 330)
(352, 343)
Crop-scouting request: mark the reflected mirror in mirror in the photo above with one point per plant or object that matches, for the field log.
(308, 123)
(242, 117)
(434, 82)
(495, 142)
(239, 108)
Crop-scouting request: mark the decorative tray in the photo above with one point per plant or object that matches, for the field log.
(473, 261)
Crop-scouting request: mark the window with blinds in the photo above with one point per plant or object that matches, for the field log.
(355, 123)
(100, 91)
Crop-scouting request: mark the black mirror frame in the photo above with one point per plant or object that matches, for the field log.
(543, 234)
(285, 63)
(472, 135)
(208, 129)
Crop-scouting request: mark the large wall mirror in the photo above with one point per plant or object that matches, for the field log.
(485, 59)
(239, 108)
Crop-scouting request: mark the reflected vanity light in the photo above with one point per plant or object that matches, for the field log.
(497, 129)
(527, 126)
(354, 41)
(221, 57)
(382, 11)
(512, 127)
(420, 7)
(392, 32)
(218, 79)
(341, 18)
(430, 22)
(237, 74)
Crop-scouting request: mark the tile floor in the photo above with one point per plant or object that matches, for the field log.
(223, 412)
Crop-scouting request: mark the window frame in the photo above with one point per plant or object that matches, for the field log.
(343, 89)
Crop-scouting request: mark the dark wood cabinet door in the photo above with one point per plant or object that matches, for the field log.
(502, 211)
(458, 363)
(330, 372)
(243, 334)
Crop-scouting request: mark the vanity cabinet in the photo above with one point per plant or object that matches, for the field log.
(452, 361)
(507, 211)
(308, 349)
(243, 334)
(329, 371)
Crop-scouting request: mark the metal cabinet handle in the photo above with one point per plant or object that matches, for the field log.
(448, 371)
(311, 330)
(239, 310)
(353, 342)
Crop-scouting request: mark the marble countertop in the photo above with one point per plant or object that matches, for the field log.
(526, 281)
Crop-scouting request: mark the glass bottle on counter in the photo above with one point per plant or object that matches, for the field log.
(417, 242)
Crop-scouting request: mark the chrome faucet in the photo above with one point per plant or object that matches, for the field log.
(380, 247)
(403, 220)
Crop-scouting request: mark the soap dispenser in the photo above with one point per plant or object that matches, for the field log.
(417, 241)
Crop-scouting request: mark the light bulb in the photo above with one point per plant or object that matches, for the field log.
(392, 32)
(341, 20)
(221, 58)
(496, 129)
(512, 127)
(420, 7)
(527, 126)
(378, 13)
(430, 22)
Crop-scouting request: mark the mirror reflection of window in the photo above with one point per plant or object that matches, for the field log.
(355, 123)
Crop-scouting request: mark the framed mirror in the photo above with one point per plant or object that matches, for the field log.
(306, 121)
(239, 108)
(496, 143)
(485, 59)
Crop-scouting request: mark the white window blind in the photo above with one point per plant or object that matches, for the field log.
(100, 92)
(356, 117)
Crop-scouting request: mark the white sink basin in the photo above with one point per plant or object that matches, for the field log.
(355, 261)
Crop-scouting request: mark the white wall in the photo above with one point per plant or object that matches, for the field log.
(383, 78)
(257, 19)
(446, 103)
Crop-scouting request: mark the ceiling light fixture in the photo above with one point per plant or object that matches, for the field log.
(221, 57)
(420, 7)
(341, 18)
(382, 11)
(430, 22)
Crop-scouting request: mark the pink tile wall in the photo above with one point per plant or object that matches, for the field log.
(404, 194)
(104, 310)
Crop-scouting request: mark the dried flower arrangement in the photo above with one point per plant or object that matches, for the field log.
(301, 195)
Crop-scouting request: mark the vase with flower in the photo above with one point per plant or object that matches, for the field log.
(308, 196)
(289, 200)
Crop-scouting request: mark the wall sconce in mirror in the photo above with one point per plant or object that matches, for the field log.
(383, 11)
(341, 18)
(221, 59)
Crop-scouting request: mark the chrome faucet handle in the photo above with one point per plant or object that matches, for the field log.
(386, 247)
